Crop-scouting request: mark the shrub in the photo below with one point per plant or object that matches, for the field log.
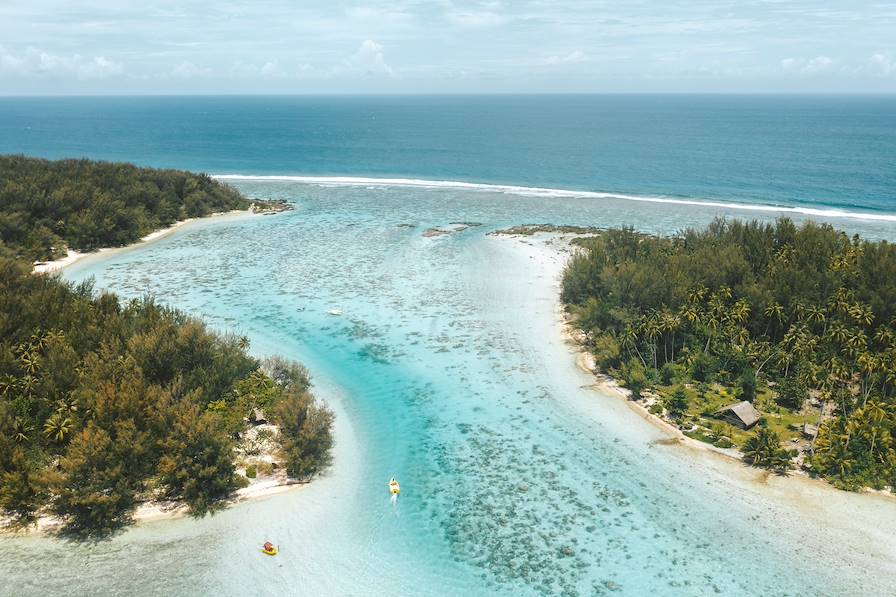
(634, 375)
(791, 393)
(306, 432)
(677, 404)
(746, 385)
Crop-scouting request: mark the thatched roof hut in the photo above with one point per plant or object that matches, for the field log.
(741, 414)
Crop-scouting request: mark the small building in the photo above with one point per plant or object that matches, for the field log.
(257, 417)
(741, 414)
(810, 431)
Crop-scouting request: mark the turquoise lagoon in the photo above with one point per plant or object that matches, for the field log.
(448, 370)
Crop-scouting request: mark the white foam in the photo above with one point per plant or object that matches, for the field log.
(546, 192)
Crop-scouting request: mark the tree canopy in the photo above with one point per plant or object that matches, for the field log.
(105, 404)
(49, 206)
(799, 309)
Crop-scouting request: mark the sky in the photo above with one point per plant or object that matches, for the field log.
(71, 47)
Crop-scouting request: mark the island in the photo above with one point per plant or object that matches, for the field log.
(772, 341)
(107, 405)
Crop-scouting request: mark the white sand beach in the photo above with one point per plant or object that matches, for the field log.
(859, 521)
(72, 257)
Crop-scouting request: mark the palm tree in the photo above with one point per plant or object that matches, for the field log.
(712, 324)
(837, 370)
(652, 330)
(856, 343)
(696, 294)
(774, 312)
(799, 310)
(817, 315)
(57, 427)
(764, 449)
(884, 337)
(629, 339)
(785, 359)
(669, 322)
(740, 311)
(867, 365)
(840, 301)
(838, 332)
(862, 314)
(29, 361)
(876, 415)
(21, 430)
(7, 383)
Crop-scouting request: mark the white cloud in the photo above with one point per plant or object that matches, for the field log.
(187, 70)
(571, 58)
(99, 68)
(883, 64)
(38, 63)
(483, 14)
(268, 70)
(370, 60)
(806, 65)
(475, 20)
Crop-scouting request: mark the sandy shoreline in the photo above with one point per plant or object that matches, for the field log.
(859, 523)
(609, 386)
(554, 249)
(153, 511)
(57, 265)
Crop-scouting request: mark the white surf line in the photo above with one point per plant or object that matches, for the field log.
(546, 192)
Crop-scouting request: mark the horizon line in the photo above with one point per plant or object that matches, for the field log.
(465, 94)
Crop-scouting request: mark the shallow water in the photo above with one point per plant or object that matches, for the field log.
(447, 371)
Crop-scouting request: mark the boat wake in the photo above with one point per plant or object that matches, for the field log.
(564, 193)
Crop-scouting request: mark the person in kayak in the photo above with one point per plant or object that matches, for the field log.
(394, 490)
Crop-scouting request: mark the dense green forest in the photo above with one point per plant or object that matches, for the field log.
(48, 206)
(801, 321)
(104, 405)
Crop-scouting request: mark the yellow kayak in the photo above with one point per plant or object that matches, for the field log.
(269, 550)
(394, 488)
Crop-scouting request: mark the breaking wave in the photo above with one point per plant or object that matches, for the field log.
(565, 193)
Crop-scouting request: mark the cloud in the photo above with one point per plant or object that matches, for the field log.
(267, 70)
(38, 63)
(571, 58)
(370, 60)
(187, 70)
(486, 14)
(806, 65)
(475, 19)
(882, 64)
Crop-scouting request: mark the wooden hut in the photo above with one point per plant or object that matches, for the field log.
(741, 414)
(257, 417)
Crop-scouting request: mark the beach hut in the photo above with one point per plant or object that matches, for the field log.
(257, 417)
(810, 431)
(741, 414)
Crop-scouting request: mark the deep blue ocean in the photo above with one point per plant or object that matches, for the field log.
(822, 151)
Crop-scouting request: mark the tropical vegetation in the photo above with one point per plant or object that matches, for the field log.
(801, 321)
(106, 404)
(51, 206)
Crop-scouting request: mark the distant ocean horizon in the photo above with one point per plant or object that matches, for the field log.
(815, 155)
